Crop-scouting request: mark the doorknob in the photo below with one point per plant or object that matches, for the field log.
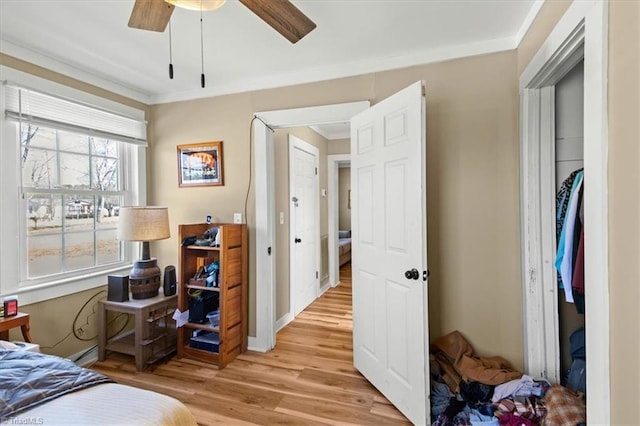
(297, 240)
(413, 274)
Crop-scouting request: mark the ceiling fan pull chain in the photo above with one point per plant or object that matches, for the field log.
(201, 48)
(170, 54)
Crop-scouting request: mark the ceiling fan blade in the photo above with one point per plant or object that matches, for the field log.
(152, 15)
(283, 16)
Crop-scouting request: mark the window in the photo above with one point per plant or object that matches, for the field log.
(72, 194)
(68, 163)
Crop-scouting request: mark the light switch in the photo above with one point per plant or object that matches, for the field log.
(237, 218)
(281, 218)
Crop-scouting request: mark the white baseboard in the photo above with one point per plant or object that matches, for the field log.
(282, 322)
(254, 345)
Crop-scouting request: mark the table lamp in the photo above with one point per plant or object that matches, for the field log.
(144, 224)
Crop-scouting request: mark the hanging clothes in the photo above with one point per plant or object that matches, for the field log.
(578, 276)
(564, 257)
(562, 203)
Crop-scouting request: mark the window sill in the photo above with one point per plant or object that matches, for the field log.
(46, 291)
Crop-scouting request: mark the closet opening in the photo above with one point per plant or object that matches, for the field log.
(579, 37)
(569, 262)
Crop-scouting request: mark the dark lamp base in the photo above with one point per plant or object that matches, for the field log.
(144, 279)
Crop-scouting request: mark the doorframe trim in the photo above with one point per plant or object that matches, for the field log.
(298, 143)
(333, 184)
(582, 31)
(265, 202)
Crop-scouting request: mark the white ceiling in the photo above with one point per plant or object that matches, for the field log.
(90, 40)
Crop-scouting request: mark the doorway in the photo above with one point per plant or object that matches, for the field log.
(265, 244)
(581, 33)
(334, 164)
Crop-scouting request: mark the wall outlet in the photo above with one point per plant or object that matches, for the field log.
(237, 218)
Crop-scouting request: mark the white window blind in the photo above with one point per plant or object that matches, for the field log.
(24, 104)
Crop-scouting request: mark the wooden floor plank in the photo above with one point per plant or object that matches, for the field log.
(332, 411)
(308, 379)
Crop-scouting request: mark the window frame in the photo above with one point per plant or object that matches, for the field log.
(13, 238)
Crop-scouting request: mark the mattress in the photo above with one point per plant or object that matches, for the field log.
(43, 389)
(109, 404)
(344, 246)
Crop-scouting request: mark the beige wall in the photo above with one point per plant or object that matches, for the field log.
(545, 21)
(624, 210)
(68, 325)
(472, 150)
(339, 146)
(281, 145)
(344, 209)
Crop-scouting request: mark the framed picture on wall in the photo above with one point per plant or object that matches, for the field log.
(200, 164)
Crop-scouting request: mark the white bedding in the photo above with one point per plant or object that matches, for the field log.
(109, 404)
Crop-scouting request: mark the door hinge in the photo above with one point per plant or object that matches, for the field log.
(316, 274)
(316, 170)
(425, 274)
(269, 251)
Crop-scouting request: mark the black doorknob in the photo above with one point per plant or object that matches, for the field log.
(413, 274)
(297, 240)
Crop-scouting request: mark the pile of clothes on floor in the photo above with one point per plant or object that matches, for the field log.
(488, 391)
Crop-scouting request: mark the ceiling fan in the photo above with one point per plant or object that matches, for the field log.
(281, 15)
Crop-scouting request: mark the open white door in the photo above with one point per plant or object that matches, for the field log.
(389, 248)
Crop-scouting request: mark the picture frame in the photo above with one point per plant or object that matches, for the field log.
(200, 164)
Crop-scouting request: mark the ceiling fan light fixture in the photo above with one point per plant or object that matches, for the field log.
(204, 5)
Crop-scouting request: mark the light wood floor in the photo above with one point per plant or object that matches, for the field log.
(308, 378)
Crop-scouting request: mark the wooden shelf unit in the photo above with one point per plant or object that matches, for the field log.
(232, 289)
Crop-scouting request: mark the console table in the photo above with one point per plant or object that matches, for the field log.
(153, 335)
(21, 320)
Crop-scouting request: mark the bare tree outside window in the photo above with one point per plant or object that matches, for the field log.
(71, 188)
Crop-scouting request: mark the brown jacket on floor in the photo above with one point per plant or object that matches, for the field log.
(457, 362)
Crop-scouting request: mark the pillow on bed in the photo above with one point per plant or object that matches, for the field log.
(344, 234)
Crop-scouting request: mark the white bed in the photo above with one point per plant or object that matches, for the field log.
(111, 404)
(344, 246)
(43, 389)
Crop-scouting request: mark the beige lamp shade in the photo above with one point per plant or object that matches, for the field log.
(144, 223)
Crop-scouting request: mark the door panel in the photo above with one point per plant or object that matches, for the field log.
(366, 210)
(395, 206)
(389, 237)
(397, 308)
(368, 316)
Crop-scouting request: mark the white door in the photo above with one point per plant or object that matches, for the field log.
(304, 230)
(388, 201)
